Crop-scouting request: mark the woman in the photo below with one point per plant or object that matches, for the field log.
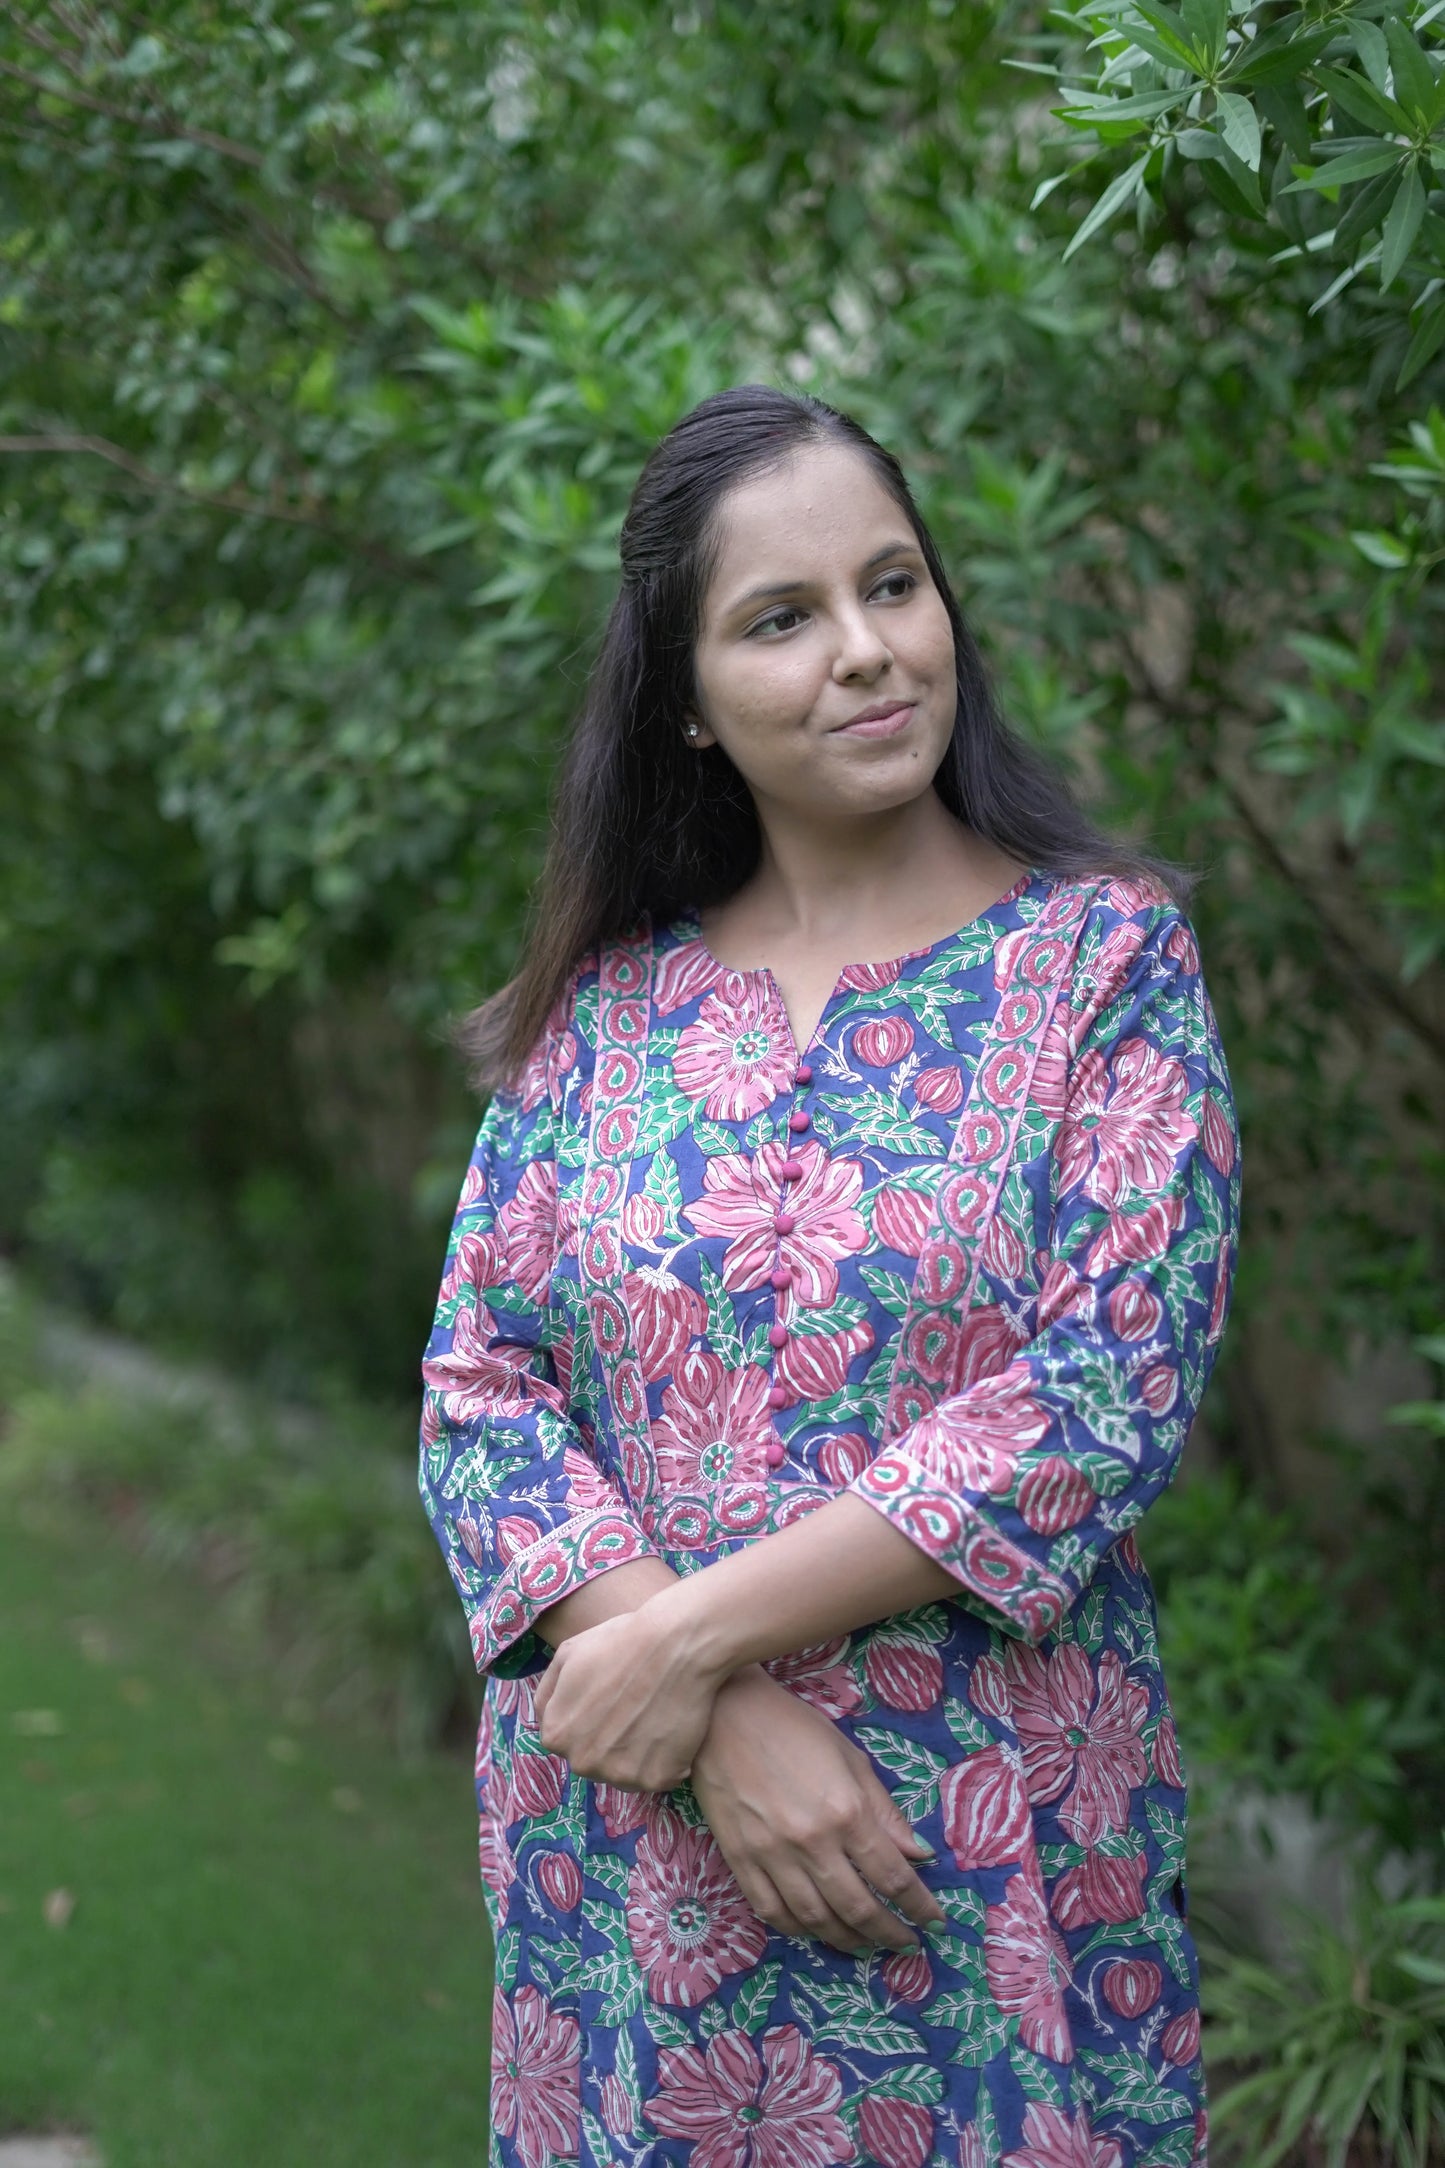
(839, 1269)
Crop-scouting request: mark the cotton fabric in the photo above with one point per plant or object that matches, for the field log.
(969, 1255)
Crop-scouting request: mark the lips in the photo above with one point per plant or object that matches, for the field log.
(880, 721)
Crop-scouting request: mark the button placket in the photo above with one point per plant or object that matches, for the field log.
(781, 1277)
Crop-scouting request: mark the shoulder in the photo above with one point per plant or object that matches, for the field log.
(1126, 927)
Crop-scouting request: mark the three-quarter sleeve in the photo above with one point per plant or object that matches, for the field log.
(1019, 1483)
(518, 1504)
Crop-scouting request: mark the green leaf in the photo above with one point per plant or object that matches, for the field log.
(1206, 22)
(889, 1288)
(1170, 33)
(723, 1334)
(1120, 191)
(1354, 166)
(921, 2083)
(853, 2019)
(1379, 547)
(1402, 225)
(1369, 42)
(1414, 76)
(1241, 127)
(1359, 97)
(754, 1998)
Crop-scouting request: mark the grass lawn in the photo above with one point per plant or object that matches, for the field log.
(277, 1956)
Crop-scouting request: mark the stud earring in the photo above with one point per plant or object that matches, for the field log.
(692, 730)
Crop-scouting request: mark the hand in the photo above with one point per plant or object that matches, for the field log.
(804, 1822)
(624, 1704)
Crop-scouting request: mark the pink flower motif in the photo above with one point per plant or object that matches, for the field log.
(666, 1313)
(1053, 2139)
(1180, 2038)
(1131, 1986)
(883, 1040)
(1135, 1311)
(750, 2104)
(476, 1263)
(475, 1378)
(1103, 1891)
(902, 1669)
(1181, 948)
(621, 1811)
(897, 2133)
(561, 1878)
(616, 2107)
(1159, 1388)
(941, 1090)
(1126, 1123)
(643, 1221)
(737, 1056)
(871, 978)
(688, 1922)
(1055, 1495)
(1218, 1134)
(1004, 1252)
(974, 1441)
(814, 1365)
(528, 1223)
(1137, 1237)
(987, 1345)
(1028, 1967)
(815, 1675)
(901, 1218)
(496, 1862)
(1080, 1735)
(907, 1975)
(536, 2077)
(988, 1690)
(1167, 1765)
(844, 1456)
(537, 1783)
(714, 1425)
(686, 972)
(986, 1819)
(741, 1200)
(587, 1487)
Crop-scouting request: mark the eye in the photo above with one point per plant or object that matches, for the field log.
(896, 586)
(778, 620)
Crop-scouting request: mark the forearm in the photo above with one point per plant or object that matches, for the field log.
(610, 1595)
(841, 1567)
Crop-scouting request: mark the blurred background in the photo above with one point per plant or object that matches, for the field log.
(331, 339)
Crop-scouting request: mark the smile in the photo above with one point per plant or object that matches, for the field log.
(878, 722)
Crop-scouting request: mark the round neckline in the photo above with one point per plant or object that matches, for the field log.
(692, 918)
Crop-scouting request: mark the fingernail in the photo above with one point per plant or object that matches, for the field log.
(865, 1949)
(926, 1849)
(935, 1927)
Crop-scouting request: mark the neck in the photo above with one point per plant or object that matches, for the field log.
(818, 881)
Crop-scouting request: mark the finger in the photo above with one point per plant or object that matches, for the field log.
(816, 1918)
(849, 1899)
(763, 1895)
(544, 1690)
(881, 1864)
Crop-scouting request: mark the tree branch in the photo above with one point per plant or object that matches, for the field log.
(227, 500)
(203, 137)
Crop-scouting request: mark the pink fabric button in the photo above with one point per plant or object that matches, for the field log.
(785, 1223)
(791, 1170)
(780, 1279)
(777, 1396)
(799, 1120)
(803, 1074)
(775, 1454)
(777, 1336)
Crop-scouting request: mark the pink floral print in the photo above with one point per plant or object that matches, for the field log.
(969, 1257)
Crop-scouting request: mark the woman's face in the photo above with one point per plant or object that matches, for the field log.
(824, 664)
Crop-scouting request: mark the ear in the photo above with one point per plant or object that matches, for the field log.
(696, 732)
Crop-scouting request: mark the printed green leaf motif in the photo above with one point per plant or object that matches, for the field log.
(509, 1950)
(853, 2019)
(966, 1907)
(973, 2016)
(1036, 2080)
(723, 1335)
(1168, 1831)
(712, 2019)
(1054, 1858)
(841, 1315)
(1134, 2088)
(1089, 1622)
(916, 1767)
(919, 2082)
(616, 1980)
(666, 2027)
(610, 1869)
(890, 1288)
(1175, 2150)
(754, 1998)
(663, 1185)
(710, 1137)
(878, 1120)
(665, 1113)
(967, 1726)
(608, 1921)
(599, 2143)
(481, 1470)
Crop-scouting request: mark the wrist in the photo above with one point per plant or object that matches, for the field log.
(695, 1630)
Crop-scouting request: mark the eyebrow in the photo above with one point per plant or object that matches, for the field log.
(775, 592)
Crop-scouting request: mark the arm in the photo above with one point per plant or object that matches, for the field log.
(1008, 1495)
(525, 1518)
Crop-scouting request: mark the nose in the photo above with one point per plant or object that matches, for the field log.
(862, 652)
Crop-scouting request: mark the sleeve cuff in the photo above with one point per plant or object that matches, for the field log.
(578, 1551)
(1011, 1588)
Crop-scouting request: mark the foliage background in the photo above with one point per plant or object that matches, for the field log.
(333, 337)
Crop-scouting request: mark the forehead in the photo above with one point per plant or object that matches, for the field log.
(823, 510)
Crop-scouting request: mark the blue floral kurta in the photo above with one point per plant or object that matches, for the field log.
(969, 1255)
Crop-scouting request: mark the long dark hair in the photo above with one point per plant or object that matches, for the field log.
(641, 823)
